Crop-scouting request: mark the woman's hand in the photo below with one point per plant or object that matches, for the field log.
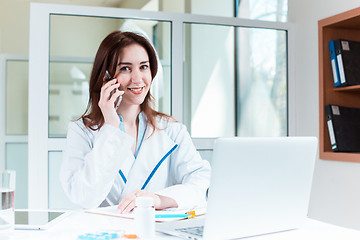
(127, 204)
(106, 103)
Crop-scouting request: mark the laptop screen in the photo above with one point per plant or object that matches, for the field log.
(259, 185)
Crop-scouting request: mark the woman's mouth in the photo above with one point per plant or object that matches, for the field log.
(136, 90)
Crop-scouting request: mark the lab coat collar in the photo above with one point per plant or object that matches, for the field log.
(156, 148)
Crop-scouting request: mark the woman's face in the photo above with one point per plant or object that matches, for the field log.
(134, 74)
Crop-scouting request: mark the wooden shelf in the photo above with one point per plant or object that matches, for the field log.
(346, 26)
(349, 88)
(340, 156)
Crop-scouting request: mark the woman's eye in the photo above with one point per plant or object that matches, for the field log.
(124, 69)
(143, 67)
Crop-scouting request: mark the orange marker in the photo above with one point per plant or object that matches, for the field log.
(130, 236)
(191, 214)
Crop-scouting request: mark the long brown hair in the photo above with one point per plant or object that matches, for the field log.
(106, 59)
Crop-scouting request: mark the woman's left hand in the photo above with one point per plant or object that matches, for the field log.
(127, 204)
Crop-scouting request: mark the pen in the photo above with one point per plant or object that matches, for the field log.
(172, 215)
(189, 214)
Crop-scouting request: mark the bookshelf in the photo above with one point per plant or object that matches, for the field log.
(345, 25)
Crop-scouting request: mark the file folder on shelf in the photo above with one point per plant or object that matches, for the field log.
(344, 128)
(345, 59)
(334, 63)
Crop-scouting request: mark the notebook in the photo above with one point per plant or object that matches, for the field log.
(258, 186)
(166, 215)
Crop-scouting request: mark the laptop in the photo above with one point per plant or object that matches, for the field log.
(258, 186)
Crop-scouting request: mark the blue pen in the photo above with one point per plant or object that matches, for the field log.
(172, 215)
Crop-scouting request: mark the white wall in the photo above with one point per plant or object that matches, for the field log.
(336, 188)
(14, 26)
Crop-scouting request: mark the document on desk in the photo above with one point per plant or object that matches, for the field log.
(171, 214)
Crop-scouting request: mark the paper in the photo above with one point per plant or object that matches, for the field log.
(114, 211)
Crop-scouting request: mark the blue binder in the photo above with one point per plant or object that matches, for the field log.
(346, 62)
(334, 63)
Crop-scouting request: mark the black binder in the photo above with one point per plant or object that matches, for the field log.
(344, 128)
(348, 62)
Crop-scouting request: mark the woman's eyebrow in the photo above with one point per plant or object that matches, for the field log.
(125, 63)
(129, 63)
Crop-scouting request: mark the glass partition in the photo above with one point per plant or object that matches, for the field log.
(16, 159)
(224, 8)
(262, 89)
(224, 98)
(268, 10)
(57, 198)
(17, 97)
(68, 94)
(209, 80)
(74, 41)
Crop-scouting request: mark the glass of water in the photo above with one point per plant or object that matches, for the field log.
(7, 186)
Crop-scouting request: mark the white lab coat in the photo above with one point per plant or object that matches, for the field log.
(92, 159)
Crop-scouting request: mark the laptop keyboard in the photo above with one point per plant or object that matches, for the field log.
(198, 231)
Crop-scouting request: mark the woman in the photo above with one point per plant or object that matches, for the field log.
(115, 154)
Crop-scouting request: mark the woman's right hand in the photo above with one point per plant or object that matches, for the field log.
(106, 103)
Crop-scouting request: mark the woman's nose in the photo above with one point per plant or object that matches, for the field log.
(136, 76)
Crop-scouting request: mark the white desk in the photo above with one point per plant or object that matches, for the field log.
(78, 223)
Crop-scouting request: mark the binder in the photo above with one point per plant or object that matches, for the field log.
(334, 63)
(344, 128)
(347, 61)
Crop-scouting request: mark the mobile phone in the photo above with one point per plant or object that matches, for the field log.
(107, 77)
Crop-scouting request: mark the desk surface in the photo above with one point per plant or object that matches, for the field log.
(78, 223)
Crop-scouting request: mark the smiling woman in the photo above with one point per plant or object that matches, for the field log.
(134, 150)
(134, 75)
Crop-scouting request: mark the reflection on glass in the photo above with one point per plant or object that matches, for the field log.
(268, 10)
(68, 94)
(74, 40)
(16, 159)
(262, 88)
(57, 197)
(209, 90)
(16, 97)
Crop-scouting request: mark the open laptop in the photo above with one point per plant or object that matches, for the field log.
(258, 186)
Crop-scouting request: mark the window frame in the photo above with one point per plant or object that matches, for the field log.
(39, 142)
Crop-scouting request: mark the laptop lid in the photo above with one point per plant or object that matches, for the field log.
(259, 185)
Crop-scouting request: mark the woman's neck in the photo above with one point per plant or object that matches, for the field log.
(129, 114)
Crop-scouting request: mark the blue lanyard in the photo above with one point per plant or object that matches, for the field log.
(154, 170)
(141, 130)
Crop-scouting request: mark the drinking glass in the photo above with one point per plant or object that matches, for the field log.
(7, 201)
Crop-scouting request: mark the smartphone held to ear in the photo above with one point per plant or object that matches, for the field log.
(107, 78)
